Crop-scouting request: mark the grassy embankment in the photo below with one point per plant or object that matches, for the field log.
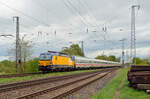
(18, 79)
(125, 92)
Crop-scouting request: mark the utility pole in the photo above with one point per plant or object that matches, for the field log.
(127, 56)
(105, 32)
(123, 58)
(133, 36)
(82, 46)
(18, 60)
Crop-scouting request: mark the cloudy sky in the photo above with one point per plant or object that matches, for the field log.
(54, 24)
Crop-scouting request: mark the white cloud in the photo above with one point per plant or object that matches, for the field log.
(143, 51)
(70, 27)
(4, 58)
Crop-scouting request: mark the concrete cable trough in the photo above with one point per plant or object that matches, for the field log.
(139, 77)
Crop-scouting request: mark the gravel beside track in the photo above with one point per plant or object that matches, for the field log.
(90, 90)
(79, 85)
(85, 92)
(52, 82)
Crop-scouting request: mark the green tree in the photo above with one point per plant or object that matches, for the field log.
(74, 49)
(109, 58)
(117, 59)
(103, 57)
(112, 58)
(7, 66)
(140, 61)
(32, 65)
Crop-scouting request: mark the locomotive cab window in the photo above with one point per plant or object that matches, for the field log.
(45, 57)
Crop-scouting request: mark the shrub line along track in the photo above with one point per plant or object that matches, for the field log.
(19, 85)
(98, 75)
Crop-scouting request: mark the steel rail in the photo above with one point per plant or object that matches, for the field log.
(29, 96)
(20, 85)
(19, 75)
(78, 88)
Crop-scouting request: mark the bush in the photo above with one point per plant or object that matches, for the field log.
(32, 65)
(7, 66)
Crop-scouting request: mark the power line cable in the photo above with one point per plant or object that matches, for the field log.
(89, 11)
(90, 15)
(75, 8)
(16, 10)
(78, 12)
(72, 11)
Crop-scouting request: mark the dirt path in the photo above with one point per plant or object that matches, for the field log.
(117, 94)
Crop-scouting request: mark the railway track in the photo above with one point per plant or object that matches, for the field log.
(19, 85)
(30, 74)
(92, 77)
(12, 89)
(79, 87)
(19, 75)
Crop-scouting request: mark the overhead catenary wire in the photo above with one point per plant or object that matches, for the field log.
(90, 15)
(42, 6)
(89, 11)
(76, 10)
(87, 24)
(24, 14)
(72, 11)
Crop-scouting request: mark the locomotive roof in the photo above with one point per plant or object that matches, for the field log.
(55, 53)
(48, 53)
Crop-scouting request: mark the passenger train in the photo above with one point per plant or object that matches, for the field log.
(52, 60)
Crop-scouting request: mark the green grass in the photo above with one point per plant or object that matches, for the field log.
(2, 73)
(18, 79)
(126, 92)
(109, 90)
(131, 93)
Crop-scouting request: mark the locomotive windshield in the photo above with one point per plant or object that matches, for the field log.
(45, 57)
